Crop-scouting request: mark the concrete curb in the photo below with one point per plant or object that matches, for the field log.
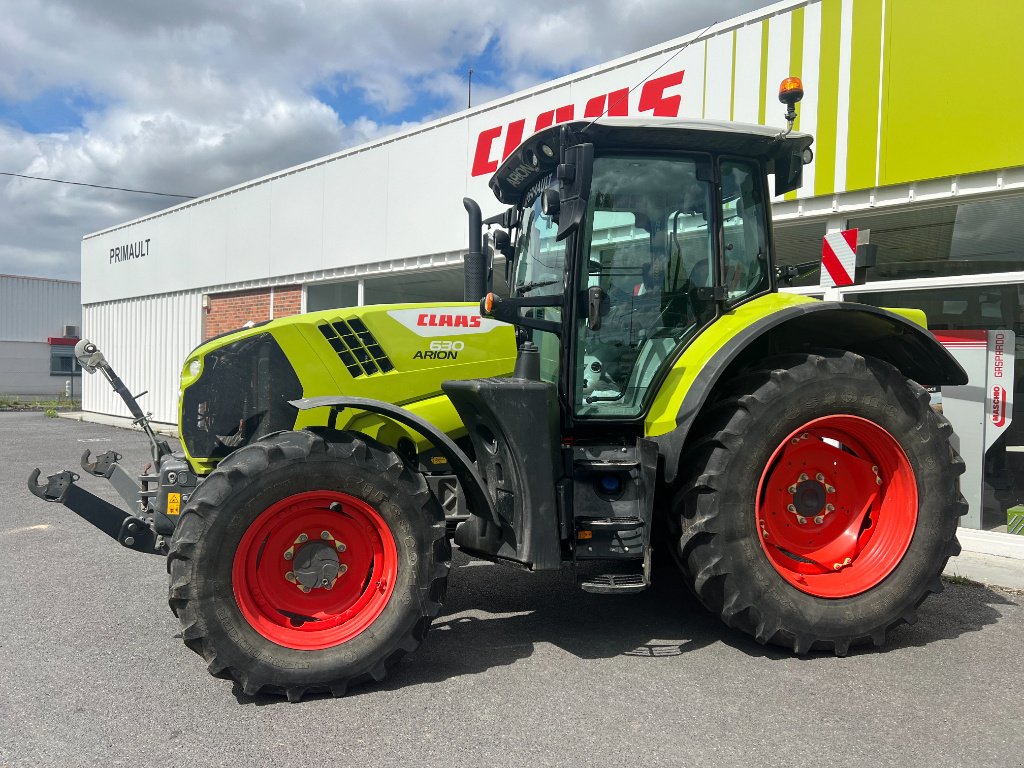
(123, 422)
(990, 558)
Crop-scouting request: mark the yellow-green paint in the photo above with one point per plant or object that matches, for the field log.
(865, 65)
(916, 316)
(662, 416)
(732, 81)
(415, 383)
(796, 62)
(951, 103)
(828, 98)
(762, 96)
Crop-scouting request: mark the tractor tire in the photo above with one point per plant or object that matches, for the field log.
(303, 565)
(820, 503)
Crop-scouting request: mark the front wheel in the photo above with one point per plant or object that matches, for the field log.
(304, 565)
(821, 504)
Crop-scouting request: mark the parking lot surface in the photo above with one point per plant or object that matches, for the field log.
(519, 670)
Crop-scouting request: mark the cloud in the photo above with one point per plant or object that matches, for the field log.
(194, 95)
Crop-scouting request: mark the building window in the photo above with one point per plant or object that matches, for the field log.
(63, 362)
(799, 245)
(968, 238)
(331, 296)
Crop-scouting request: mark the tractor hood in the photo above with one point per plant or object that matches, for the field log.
(236, 388)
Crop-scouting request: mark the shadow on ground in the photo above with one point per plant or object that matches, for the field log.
(495, 616)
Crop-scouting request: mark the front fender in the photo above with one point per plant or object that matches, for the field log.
(776, 325)
(462, 466)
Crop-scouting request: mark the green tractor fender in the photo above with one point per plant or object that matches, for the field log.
(800, 325)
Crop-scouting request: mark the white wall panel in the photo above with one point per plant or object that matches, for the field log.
(780, 32)
(32, 309)
(718, 83)
(843, 112)
(811, 78)
(145, 341)
(427, 176)
(297, 222)
(247, 233)
(355, 209)
(747, 78)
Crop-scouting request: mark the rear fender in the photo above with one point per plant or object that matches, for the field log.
(805, 326)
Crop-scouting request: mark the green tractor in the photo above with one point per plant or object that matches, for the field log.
(643, 387)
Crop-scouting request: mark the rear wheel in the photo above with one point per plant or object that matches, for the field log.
(304, 565)
(821, 504)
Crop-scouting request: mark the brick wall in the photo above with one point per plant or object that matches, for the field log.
(287, 300)
(228, 311)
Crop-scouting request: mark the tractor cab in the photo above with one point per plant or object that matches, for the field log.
(627, 238)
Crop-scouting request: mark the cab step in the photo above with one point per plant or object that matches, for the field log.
(608, 523)
(615, 584)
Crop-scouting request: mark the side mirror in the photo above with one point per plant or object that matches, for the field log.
(502, 243)
(574, 175)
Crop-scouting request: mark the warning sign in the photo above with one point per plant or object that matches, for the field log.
(838, 258)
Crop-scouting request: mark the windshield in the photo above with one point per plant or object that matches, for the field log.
(540, 271)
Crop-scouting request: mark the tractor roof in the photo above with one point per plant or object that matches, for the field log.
(538, 155)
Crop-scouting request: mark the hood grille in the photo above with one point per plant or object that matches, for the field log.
(356, 347)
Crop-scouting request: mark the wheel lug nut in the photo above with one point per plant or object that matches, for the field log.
(829, 489)
(289, 554)
(340, 545)
(791, 507)
(290, 577)
(342, 568)
(305, 588)
(792, 489)
(801, 520)
(325, 535)
(803, 476)
(819, 477)
(829, 508)
(875, 470)
(303, 538)
(878, 480)
(819, 519)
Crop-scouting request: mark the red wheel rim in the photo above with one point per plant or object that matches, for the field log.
(837, 506)
(343, 535)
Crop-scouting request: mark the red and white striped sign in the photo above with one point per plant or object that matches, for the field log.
(838, 258)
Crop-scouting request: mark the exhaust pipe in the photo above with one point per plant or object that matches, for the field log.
(474, 268)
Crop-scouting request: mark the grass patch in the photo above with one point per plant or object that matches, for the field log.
(16, 403)
(956, 578)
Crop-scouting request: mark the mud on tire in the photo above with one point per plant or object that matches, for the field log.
(747, 556)
(248, 624)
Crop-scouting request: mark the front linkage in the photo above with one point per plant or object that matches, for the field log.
(155, 497)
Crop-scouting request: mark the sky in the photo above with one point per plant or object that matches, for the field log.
(187, 97)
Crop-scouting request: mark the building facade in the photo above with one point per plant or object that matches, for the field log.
(39, 325)
(911, 102)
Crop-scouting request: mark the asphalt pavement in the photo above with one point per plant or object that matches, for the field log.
(519, 670)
